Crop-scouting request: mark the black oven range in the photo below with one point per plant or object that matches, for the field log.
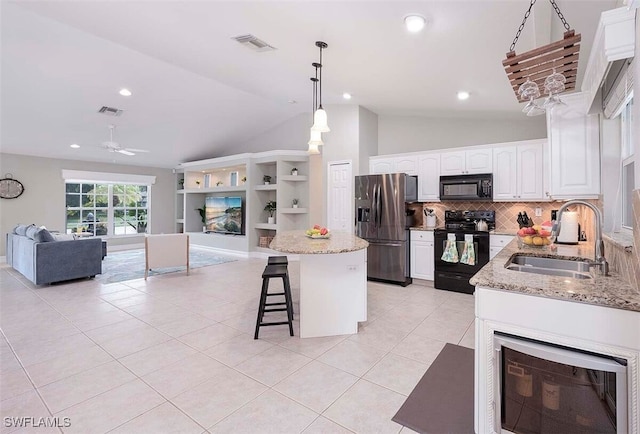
(461, 250)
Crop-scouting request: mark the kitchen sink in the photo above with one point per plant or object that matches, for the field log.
(550, 266)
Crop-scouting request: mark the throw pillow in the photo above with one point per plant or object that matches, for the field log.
(43, 236)
(21, 230)
(63, 237)
(31, 231)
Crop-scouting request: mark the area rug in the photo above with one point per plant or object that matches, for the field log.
(129, 264)
(442, 401)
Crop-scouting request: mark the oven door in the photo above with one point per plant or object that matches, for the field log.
(481, 249)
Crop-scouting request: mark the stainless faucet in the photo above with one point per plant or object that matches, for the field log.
(600, 260)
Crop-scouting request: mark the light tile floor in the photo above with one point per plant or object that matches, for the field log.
(176, 354)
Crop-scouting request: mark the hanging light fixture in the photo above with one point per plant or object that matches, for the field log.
(320, 116)
(316, 136)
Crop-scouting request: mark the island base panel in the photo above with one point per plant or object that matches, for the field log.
(333, 293)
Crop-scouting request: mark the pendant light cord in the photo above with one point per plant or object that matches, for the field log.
(320, 105)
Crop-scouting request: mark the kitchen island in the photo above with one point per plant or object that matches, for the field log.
(333, 281)
(599, 315)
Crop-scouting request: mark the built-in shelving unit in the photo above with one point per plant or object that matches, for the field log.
(247, 171)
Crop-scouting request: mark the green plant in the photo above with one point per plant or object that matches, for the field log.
(243, 179)
(218, 184)
(266, 178)
(294, 201)
(203, 214)
(270, 207)
(293, 170)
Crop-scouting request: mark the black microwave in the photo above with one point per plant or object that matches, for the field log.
(466, 187)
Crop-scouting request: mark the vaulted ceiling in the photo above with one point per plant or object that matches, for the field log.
(197, 93)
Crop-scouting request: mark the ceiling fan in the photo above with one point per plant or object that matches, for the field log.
(112, 146)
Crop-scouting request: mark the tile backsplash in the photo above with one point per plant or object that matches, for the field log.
(626, 261)
(507, 213)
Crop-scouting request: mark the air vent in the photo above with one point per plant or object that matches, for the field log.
(254, 43)
(111, 111)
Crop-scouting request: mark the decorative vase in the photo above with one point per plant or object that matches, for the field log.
(271, 220)
(204, 229)
(267, 183)
(294, 172)
(295, 205)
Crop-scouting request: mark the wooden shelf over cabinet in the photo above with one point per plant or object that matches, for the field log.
(293, 210)
(268, 226)
(294, 178)
(269, 187)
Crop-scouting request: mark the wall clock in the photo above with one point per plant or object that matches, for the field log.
(10, 188)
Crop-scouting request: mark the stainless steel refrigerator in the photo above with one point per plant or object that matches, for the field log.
(380, 219)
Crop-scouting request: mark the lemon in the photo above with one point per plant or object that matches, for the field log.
(538, 241)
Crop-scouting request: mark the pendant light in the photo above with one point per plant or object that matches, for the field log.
(320, 116)
(316, 136)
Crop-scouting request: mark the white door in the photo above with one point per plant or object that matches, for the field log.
(429, 177)
(504, 173)
(479, 161)
(340, 194)
(379, 166)
(530, 172)
(408, 165)
(452, 163)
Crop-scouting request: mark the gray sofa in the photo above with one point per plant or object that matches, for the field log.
(39, 257)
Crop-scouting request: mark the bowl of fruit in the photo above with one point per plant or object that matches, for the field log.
(535, 236)
(317, 232)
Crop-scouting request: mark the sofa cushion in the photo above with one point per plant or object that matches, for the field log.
(63, 237)
(21, 230)
(31, 231)
(42, 235)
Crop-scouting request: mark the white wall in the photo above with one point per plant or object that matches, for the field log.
(293, 134)
(368, 138)
(398, 134)
(43, 200)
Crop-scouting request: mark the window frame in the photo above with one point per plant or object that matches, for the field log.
(627, 159)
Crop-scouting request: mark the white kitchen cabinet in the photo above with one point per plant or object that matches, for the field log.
(466, 162)
(518, 172)
(403, 164)
(429, 177)
(497, 243)
(422, 253)
(574, 141)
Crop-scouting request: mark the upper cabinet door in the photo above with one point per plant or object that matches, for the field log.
(575, 150)
(408, 165)
(379, 166)
(479, 161)
(429, 177)
(453, 163)
(505, 177)
(530, 172)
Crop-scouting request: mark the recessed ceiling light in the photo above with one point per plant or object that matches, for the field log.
(125, 92)
(414, 23)
(346, 95)
(74, 146)
(462, 95)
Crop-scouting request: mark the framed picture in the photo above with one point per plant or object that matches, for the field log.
(233, 178)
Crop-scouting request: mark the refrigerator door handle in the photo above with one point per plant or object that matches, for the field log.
(379, 205)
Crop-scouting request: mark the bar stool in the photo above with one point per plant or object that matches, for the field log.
(281, 260)
(277, 260)
(275, 271)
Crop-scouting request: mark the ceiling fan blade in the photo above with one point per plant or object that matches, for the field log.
(125, 152)
(136, 150)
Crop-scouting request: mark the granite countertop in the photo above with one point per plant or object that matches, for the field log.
(511, 232)
(609, 291)
(421, 228)
(297, 242)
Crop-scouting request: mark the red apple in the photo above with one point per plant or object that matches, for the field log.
(324, 231)
(316, 226)
(522, 232)
(530, 231)
(544, 233)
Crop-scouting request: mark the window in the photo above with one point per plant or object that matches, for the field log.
(628, 169)
(107, 208)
